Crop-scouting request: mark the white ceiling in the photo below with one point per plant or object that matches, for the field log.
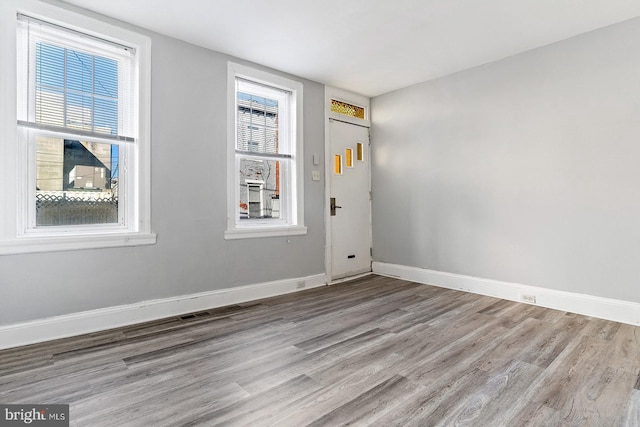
(369, 46)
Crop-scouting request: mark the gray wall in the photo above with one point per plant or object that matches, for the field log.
(188, 161)
(524, 170)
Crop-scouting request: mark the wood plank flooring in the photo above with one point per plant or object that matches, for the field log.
(374, 351)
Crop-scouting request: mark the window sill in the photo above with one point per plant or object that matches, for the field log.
(256, 232)
(25, 245)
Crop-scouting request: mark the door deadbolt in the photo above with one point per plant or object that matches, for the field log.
(333, 206)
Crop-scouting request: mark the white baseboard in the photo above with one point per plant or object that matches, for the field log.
(589, 305)
(51, 328)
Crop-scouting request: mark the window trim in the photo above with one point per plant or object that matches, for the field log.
(13, 157)
(257, 229)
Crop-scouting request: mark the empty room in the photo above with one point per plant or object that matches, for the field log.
(291, 213)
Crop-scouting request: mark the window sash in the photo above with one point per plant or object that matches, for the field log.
(126, 208)
(32, 32)
(280, 185)
(283, 127)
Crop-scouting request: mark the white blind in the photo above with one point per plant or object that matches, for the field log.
(74, 82)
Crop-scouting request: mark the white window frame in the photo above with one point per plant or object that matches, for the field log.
(17, 233)
(239, 229)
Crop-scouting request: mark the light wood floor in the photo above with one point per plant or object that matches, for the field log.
(375, 351)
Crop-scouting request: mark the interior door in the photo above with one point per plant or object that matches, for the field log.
(350, 200)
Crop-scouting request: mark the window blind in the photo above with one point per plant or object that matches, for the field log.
(75, 83)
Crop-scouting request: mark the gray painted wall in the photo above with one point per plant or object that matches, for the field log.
(524, 170)
(188, 161)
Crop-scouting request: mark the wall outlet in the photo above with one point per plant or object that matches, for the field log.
(531, 299)
(301, 284)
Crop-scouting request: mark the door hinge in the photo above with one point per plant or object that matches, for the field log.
(371, 251)
(370, 195)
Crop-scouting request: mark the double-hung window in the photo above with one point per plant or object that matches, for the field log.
(265, 160)
(81, 139)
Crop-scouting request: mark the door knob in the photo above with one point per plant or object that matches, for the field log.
(333, 206)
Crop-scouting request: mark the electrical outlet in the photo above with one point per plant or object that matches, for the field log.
(531, 299)
(301, 284)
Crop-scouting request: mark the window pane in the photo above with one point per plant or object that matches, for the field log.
(348, 159)
(50, 107)
(347, 109)
(257, 124)
(105, 117)
(260, 192)
(105, 72)
(78, 111)
(79, 71)
(76, 182)
(49, 66)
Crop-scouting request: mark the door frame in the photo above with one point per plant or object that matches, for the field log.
(351, 98)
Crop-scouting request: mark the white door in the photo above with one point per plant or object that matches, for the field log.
(350, 194)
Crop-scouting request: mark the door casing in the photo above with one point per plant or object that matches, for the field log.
(352, 98)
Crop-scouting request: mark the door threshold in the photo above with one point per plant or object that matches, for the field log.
(346, 279)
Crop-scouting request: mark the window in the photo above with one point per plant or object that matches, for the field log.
(347, 109)
(81, 138)
(265, 196)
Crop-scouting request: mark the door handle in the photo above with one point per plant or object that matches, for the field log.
(333, 206)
